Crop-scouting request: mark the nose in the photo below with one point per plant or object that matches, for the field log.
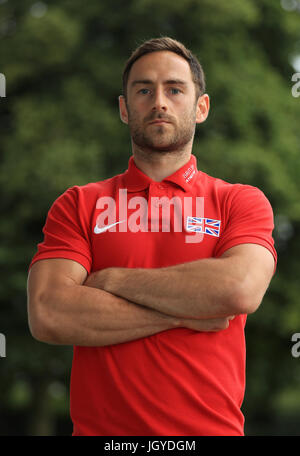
(159, 101)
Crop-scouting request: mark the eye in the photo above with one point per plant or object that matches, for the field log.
(175, 91)
(143, 91)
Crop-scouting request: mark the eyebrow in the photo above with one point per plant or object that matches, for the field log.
(148, 81)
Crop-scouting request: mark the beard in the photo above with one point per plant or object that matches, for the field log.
(166, 137)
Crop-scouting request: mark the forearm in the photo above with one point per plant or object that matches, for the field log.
(200, 289)
(80, 315)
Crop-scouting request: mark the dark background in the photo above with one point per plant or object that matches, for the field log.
(60, 126)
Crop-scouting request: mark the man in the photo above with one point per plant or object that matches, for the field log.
(150, 274)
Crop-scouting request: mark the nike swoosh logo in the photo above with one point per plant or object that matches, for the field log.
(105, 228)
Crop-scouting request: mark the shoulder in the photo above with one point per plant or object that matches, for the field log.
(231, 193)
(87, 195)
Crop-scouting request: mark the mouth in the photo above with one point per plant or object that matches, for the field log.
(159, 121)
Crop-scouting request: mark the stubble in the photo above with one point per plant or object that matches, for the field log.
(162, 138)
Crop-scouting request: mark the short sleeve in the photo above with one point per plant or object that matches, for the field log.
(65, 233)
(249, 220)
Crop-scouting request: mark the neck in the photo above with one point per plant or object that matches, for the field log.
(159, 165)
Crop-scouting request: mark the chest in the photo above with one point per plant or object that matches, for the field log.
(140, 230)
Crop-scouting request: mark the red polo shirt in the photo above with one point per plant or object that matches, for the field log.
(178, 382)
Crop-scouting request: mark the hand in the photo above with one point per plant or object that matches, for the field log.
(206, 325)
(97, 279)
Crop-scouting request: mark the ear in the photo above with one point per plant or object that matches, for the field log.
(202, 108)
(123, 109)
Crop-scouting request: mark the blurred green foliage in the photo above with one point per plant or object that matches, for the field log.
(59, 126)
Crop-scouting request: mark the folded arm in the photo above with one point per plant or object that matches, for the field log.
(233, 284)
(63, 310)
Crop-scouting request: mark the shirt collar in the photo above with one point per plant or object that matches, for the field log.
(135, 180)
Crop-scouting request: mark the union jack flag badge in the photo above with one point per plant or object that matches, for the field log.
(203, 225)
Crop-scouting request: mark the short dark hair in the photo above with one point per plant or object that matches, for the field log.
(166, 44)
